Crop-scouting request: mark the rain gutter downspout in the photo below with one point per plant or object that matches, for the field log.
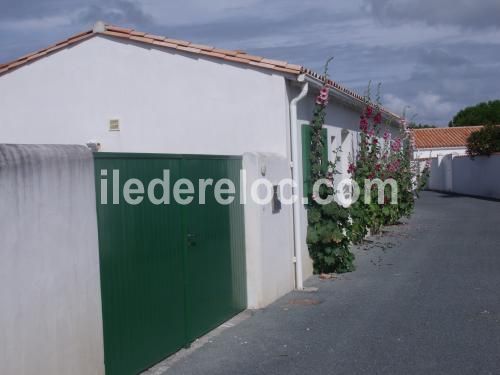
(295, 141)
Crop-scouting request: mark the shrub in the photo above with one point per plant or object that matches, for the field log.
(484, 142)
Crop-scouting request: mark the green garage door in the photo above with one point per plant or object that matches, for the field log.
(169, 272)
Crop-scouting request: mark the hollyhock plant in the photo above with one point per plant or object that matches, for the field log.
(328, 225)
(352, 168)
(396, 145)
(380, 160)
(363, 124)
(387, 135)
(332, 227)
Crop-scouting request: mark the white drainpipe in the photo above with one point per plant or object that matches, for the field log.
(295, 142)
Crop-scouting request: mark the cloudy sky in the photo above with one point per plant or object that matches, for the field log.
(435, 56)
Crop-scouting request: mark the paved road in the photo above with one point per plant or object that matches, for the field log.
(424, 300)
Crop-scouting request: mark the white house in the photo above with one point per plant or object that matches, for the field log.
(135, 92)
(444, 151)
(436, 147)
(434, 142)
(132, 92)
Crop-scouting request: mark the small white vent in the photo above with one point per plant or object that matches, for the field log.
(114, 125)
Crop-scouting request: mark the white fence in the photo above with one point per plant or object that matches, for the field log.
(462, 175)
(50, 315)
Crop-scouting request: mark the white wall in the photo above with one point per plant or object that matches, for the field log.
(462, 175)
(269, 236)
(50, 315)
(166, 102)
(479, 176)
(441, 173)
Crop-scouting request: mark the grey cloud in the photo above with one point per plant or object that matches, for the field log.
(441, 57)
(459, 85)
(437, 70)
(87, 11)
(478, 14)
(22, 9)
(116, 12)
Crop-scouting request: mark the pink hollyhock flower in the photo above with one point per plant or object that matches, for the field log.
(377, 167)
(371, 133)
(394, 166)
(322, 98)
(396, 145)
(387, 135)
(378, 118)
(352, 168)
(363, 124)
(368, 111)
(375, 140)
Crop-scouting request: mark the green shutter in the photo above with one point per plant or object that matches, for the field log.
(324, 135)
(306, 157)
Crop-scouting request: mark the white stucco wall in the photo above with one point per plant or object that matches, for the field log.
(441, 173)
(50, 315)
(166, 102)
(479, 176)
(269, 236)
(462, 175)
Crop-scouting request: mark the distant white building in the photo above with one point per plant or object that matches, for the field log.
(434, 142)
(437, 148)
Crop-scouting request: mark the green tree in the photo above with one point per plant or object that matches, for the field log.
(486, 113)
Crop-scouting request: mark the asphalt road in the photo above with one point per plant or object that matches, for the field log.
(425, 299)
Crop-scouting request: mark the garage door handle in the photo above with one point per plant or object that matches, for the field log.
(191, 239)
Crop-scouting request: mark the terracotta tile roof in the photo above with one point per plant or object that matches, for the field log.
(443, 137)
(240, 57)
(4, 68)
